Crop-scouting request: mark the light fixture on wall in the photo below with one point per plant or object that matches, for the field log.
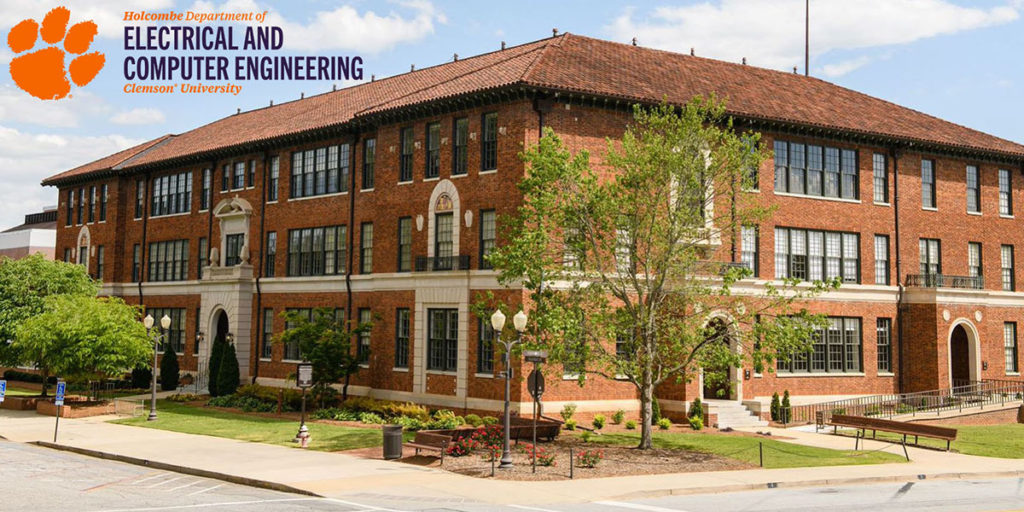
(984, 365)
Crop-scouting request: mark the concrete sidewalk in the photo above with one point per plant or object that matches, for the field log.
(339, 475)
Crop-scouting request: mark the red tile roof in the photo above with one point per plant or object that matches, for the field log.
(589, 66)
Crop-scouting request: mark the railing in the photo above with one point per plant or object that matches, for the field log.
(944, 281)
(972, 394)
(460, 262)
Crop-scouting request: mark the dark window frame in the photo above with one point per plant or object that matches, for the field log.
(489, 141)
(460, 146)
(432, 151)
(403, 330)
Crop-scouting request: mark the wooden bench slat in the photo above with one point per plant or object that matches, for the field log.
(896, 427)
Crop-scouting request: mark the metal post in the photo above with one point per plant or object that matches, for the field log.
(152, 398)
(506, 453)
(535, 411)
(571, 463)
(760, 452)
(56, 424)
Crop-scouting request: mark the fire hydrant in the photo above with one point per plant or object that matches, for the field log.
(303, 436)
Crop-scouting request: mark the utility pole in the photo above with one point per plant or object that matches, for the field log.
(807, 37)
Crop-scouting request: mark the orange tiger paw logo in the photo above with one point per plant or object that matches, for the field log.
(41, 73)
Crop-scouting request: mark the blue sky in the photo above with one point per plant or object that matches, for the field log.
(953, 59)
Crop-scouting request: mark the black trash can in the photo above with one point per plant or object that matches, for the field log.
(392, 441)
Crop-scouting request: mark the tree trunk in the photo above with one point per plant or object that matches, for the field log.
(646, 397)
(46, 378)
(344, 389)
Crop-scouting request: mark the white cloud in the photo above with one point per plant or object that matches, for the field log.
(139, 116)
(108, 14)
(770, 33)
(18, 107)
(27, 158)
(843, 67)
(344, 27)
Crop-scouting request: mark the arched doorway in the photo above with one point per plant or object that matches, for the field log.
(222, 326)
(959, 357)
(717, 382)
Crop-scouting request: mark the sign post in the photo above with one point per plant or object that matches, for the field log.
(304, 380)
(535, 384)
(59, 402)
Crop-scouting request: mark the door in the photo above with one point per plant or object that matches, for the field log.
(959, 357)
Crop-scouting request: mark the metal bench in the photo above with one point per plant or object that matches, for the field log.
(430, 442)
(863, 424)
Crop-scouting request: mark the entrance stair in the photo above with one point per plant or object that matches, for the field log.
(733, 414)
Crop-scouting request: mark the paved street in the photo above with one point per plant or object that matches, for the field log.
(41, 479)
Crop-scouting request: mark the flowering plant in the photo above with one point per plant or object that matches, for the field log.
(589, 458)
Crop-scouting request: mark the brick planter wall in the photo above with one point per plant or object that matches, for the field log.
(75, 410)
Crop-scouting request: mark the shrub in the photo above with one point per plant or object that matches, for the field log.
(169, 371)
(462, 447)
(35, 378)
(696, 423)
(387, 409)
(227, 376)
(664, 423)
(655, 409)
(327, 413)
(567, 411)
(213, 366)
(371, 418)
(570, 424)
(491, 437)
(183, 397)
(538, 452)
(585, 436)
(598, 422)
(696, 409)
(142, 377)
(785, 411)
(474, 420)
(291, 399)
(631, 425)
(618, 417)
(775, 407)
(589, 458)
(443, 420)
(490, 420)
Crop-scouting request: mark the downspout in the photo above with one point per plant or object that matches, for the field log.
(896, 152)
(259, 271)
(351, 248)
(143, 253)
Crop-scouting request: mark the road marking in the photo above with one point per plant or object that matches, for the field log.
(108, 484)
(210, 505)
(190, 484)
(158, 475)
(206, 489)
(365, 506)
(524, 507)
(165, 482)
(637, 506)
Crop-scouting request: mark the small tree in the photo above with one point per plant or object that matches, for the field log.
(784, 412)
(213, 368)
(169, 371)
(696, 409)
(84, 338)
(227, 376)
(142, 377)
(776, 406)
(326, 342)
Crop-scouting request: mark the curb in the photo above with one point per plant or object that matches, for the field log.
(240, 480)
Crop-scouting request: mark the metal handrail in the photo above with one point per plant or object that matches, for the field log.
(967, 395)
(945, 281)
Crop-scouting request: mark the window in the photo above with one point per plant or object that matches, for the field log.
(1010, 346)
(366, 248)
(748, 248)
(405, 244)
(225, 178)
(928, 183)
(67, 255)
(140, 198)
(817, 255)
(882, 259)
(195, 333)
(171, 194)
(489, 142)
(70, 208)
(622, 342)
(317, 251)
(443, 243)
(103, 203)
(443, 339)
(570, 258)
(484, 346)
(973, 190)
(460, 139)
(99, 262)
(931, 256)
(175, 334)
(883, 333)
(206, 194)
(487, 236)
(267, 350)
(251, 182)
(1005, 198)
(800, 169)
(83, 257)
(433, 151)
(369, 159)
(274, 180)
(751, 180)
(238, 178)
(315, 172)
(291, 349)
(81, 205)
(233, 249)
(1006, 257)
(168, 261)
(402, 338)
(204, 256)
(835, 349)
(623, 252)
(974, 267)
(92, 204)
(136, 263)
(363, 350)
(270, 255)
(405, 161)
(881, 178)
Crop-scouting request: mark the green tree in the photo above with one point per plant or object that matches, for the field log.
(142, 377)
(169, 370)
(213, 369)
(633, 250)
(326, 342)
(227, 374)
(24, 286)
(84, 338)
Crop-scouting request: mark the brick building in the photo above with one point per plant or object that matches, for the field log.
(380, 199)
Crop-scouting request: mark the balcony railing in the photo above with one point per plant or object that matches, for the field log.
(440, 263)
(944, 281)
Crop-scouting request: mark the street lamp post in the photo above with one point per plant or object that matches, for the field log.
(165, 323)
(498, 323)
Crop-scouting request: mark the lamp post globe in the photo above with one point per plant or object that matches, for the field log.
(519, 321)
(148, 321)
(165, 322)
(498, 321)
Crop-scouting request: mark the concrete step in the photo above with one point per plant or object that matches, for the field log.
(733, 414)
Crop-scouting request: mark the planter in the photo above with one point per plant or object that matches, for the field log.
(75, 408)
(21, 403)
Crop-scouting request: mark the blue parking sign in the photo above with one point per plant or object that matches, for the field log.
(3, 390)
(60, 393)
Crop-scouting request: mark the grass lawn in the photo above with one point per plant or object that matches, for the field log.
(777, 454)
(1003, 441)
(13, 391)
(249, 427)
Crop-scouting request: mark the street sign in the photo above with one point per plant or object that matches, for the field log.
(535, 383)
(304, 375)
(59, 401)
(3, 390)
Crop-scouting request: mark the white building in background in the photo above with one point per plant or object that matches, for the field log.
(37, 234)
